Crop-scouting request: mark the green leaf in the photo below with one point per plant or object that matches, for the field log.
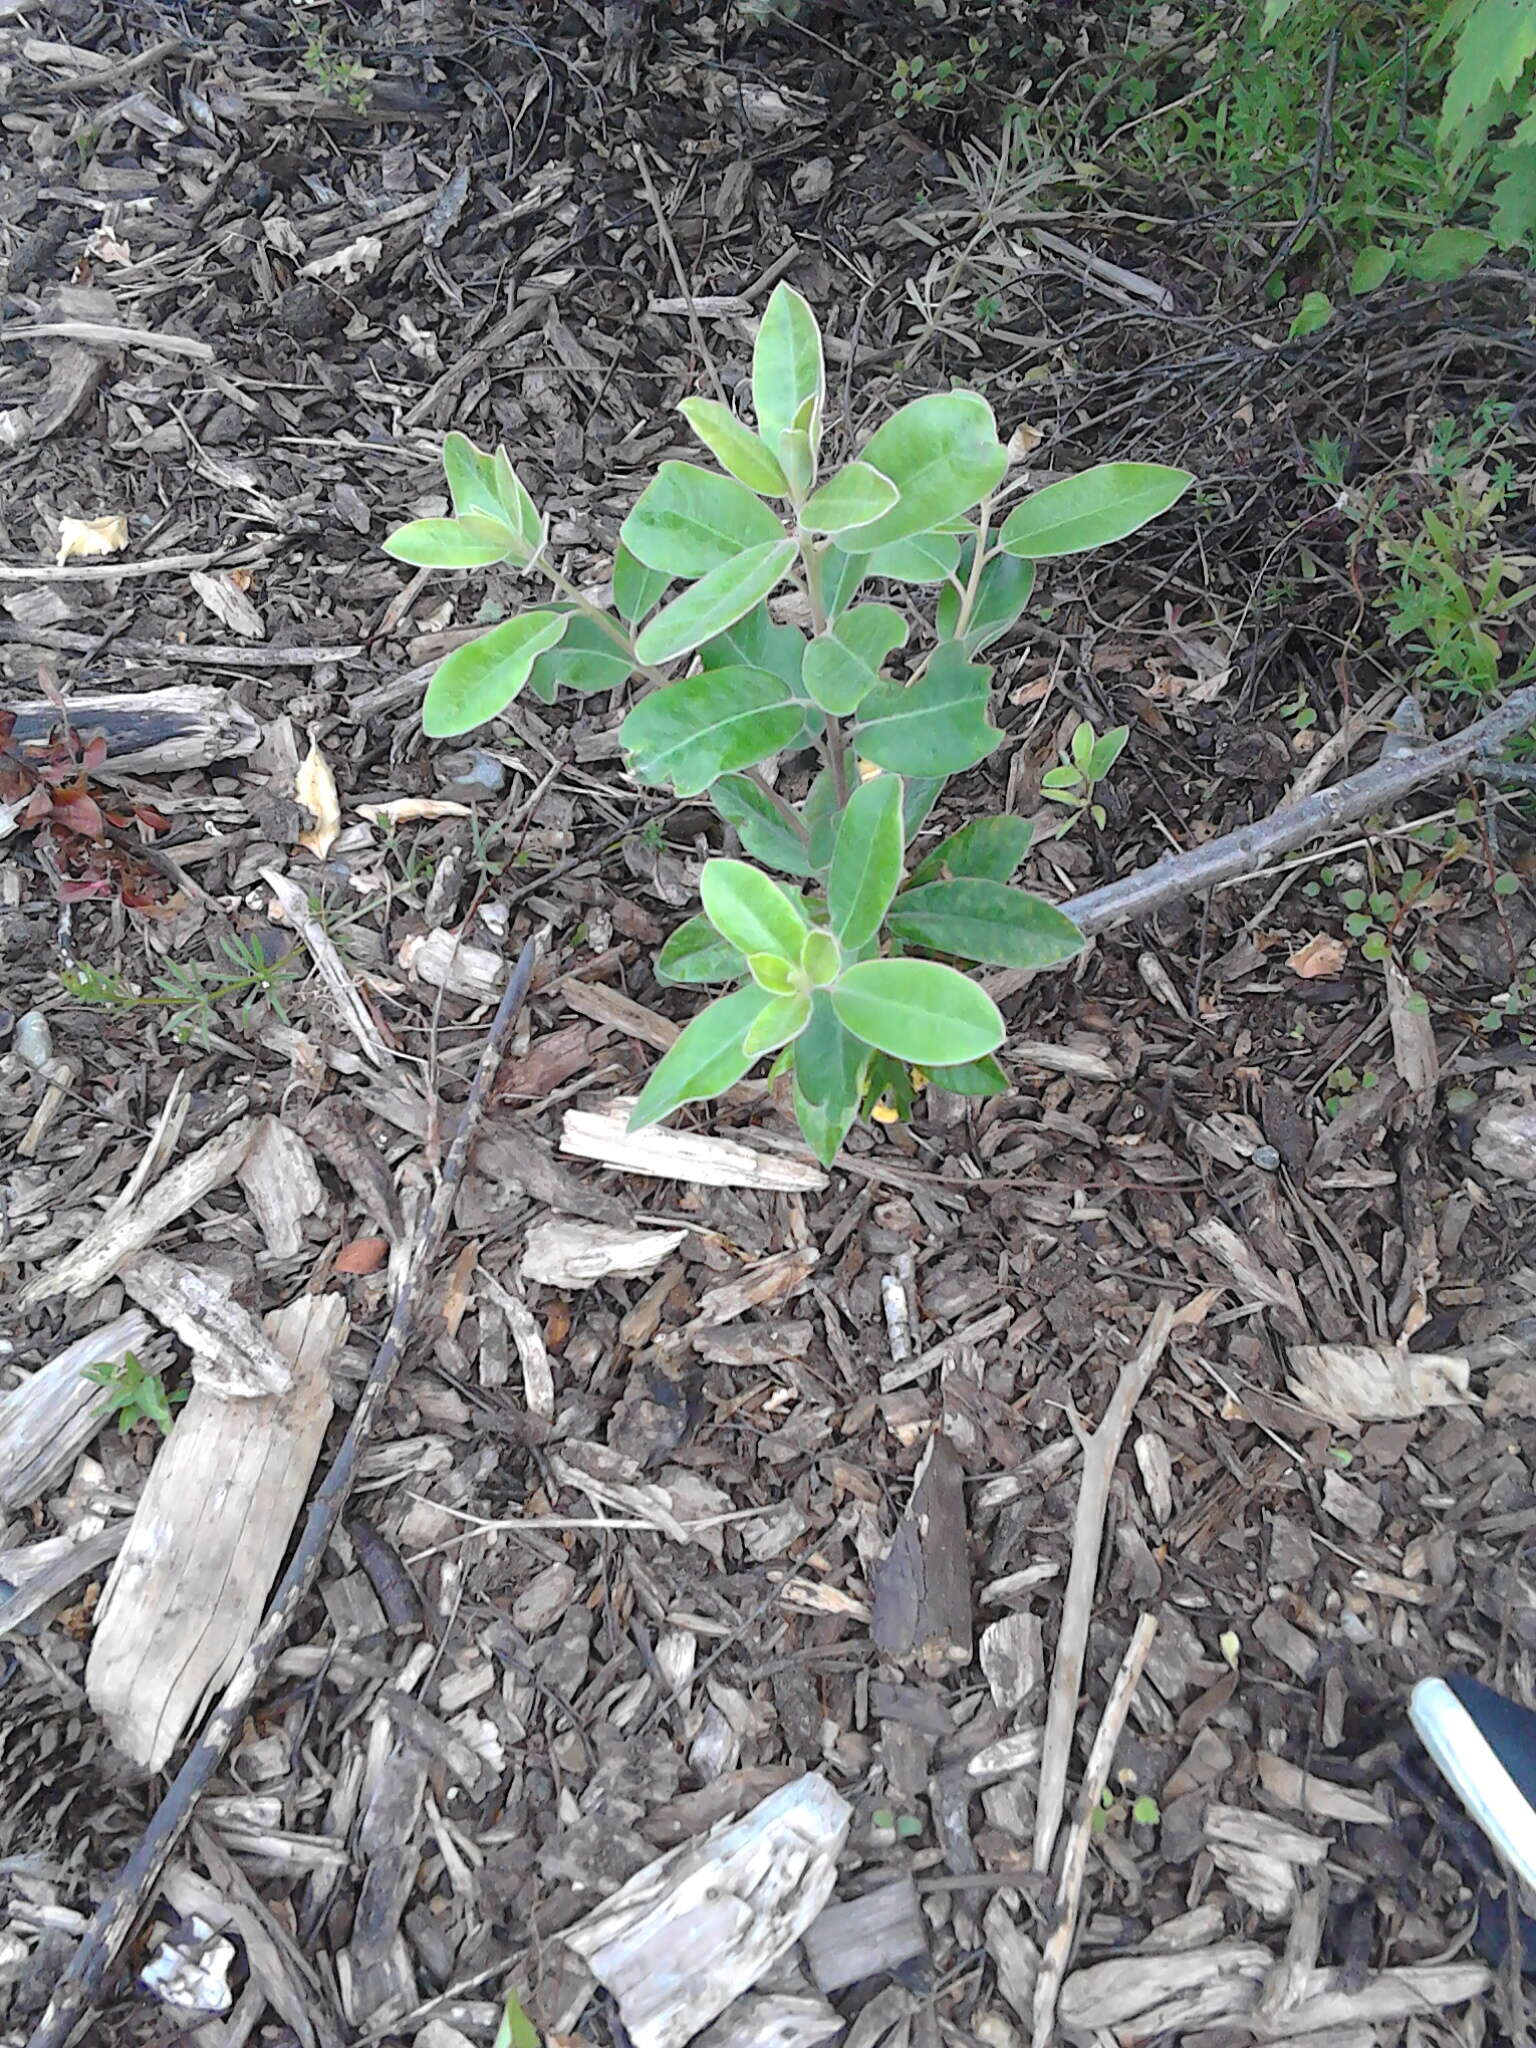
(1496, 42)
(585, 659)
(517, 508)
(866, 861)
(763, 831)
(970, 1077)
(1447, 254)
(841, 575)
(1093, 509)
(988, 848)
(1371, 269)
(797, 459)
(1315, 311)
(1513, 219)
(696, 953)
(820, 812)
(707, 1059)
(923, 559)
(481, 678)
(752, 910)
(515, 2029)
(687, 733)
(734, 446)
(451, 543)
(987, 921)
(922, 792)
(754, 641)
(472, 483)
(937, 726)
(821, 958)
(787, 366)
(942, 454)
(636, 589)
(842, 665)
(688, 521)
(918, 1010)
(716, 601)
(1001, 595)
(784, 1018)
(854, 497)
(829, 1080)
(772, 973)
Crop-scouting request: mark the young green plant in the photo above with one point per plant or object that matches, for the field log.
(845, 970)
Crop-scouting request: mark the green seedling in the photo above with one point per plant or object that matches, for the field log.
(844, 972)
(190, 992)
(134, 1394)
(1089, 758)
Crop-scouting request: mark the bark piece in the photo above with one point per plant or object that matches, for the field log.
(208, 1538)
(922, 1586)
(49, 1419)
(563, 1252)
(1142, 1997)
(1506, 1139)
(692, 1156)
(150, 731)
(231, 1354)
(868, 1936)
(779, 2019)
(693, 1930)
(129, 1226)
(1348, 1384)
(279, 1180)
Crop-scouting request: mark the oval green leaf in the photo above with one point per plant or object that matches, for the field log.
(780, 1020)
(970, 1077)
(764, 831)
(821, 958)
(734, 446)
(1001, 594)
(688, 521)
(636, 589)
(471, 479)
(772, 973)
(1371, 269)
(986, 921)
(1089, 511)
(687, 733)
(695, 952)
(843, 665)
(991, 848)
(829, 1080)
(451, 543)
(943, 456)
(586, 659)
(707, 1058)
(937, 726)
(866, 861)
(715, 602)
(925, 558)
(852, 498)
(751, 909)
(918, 1010)
(787, 365)
(482, 677)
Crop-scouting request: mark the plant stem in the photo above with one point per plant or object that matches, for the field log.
(834, 744)
(786, 811)
(811, 556)
(599, 617)
(979, 560)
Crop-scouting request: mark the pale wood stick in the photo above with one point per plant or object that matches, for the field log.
(1099, 1454)
(1074, 1865)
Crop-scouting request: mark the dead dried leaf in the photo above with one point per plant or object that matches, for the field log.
(315, 788)
(412, 810)
(357, 259)
(80, 538)
(1318, 958)
(106, 247)
(1348, 1384)
(362, 1255)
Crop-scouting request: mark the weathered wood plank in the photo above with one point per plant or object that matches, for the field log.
(49, 1419)
(208, 1538)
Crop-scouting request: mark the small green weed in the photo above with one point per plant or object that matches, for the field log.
(920, 87)
(334, 75)
(134, 1394)
(191, 992)
(1090, 756)
(1341, 1084)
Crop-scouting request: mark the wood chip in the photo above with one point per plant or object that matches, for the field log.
(231, 1353)
(1308, 1793)
(207, 1540)
(122, 1233)
(1348, 1384)
(278, 1178)
(699, 1926)
(869, 1936)
(922, 1586)
(692, 1156)
(565, 1252)
(47, 1421)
